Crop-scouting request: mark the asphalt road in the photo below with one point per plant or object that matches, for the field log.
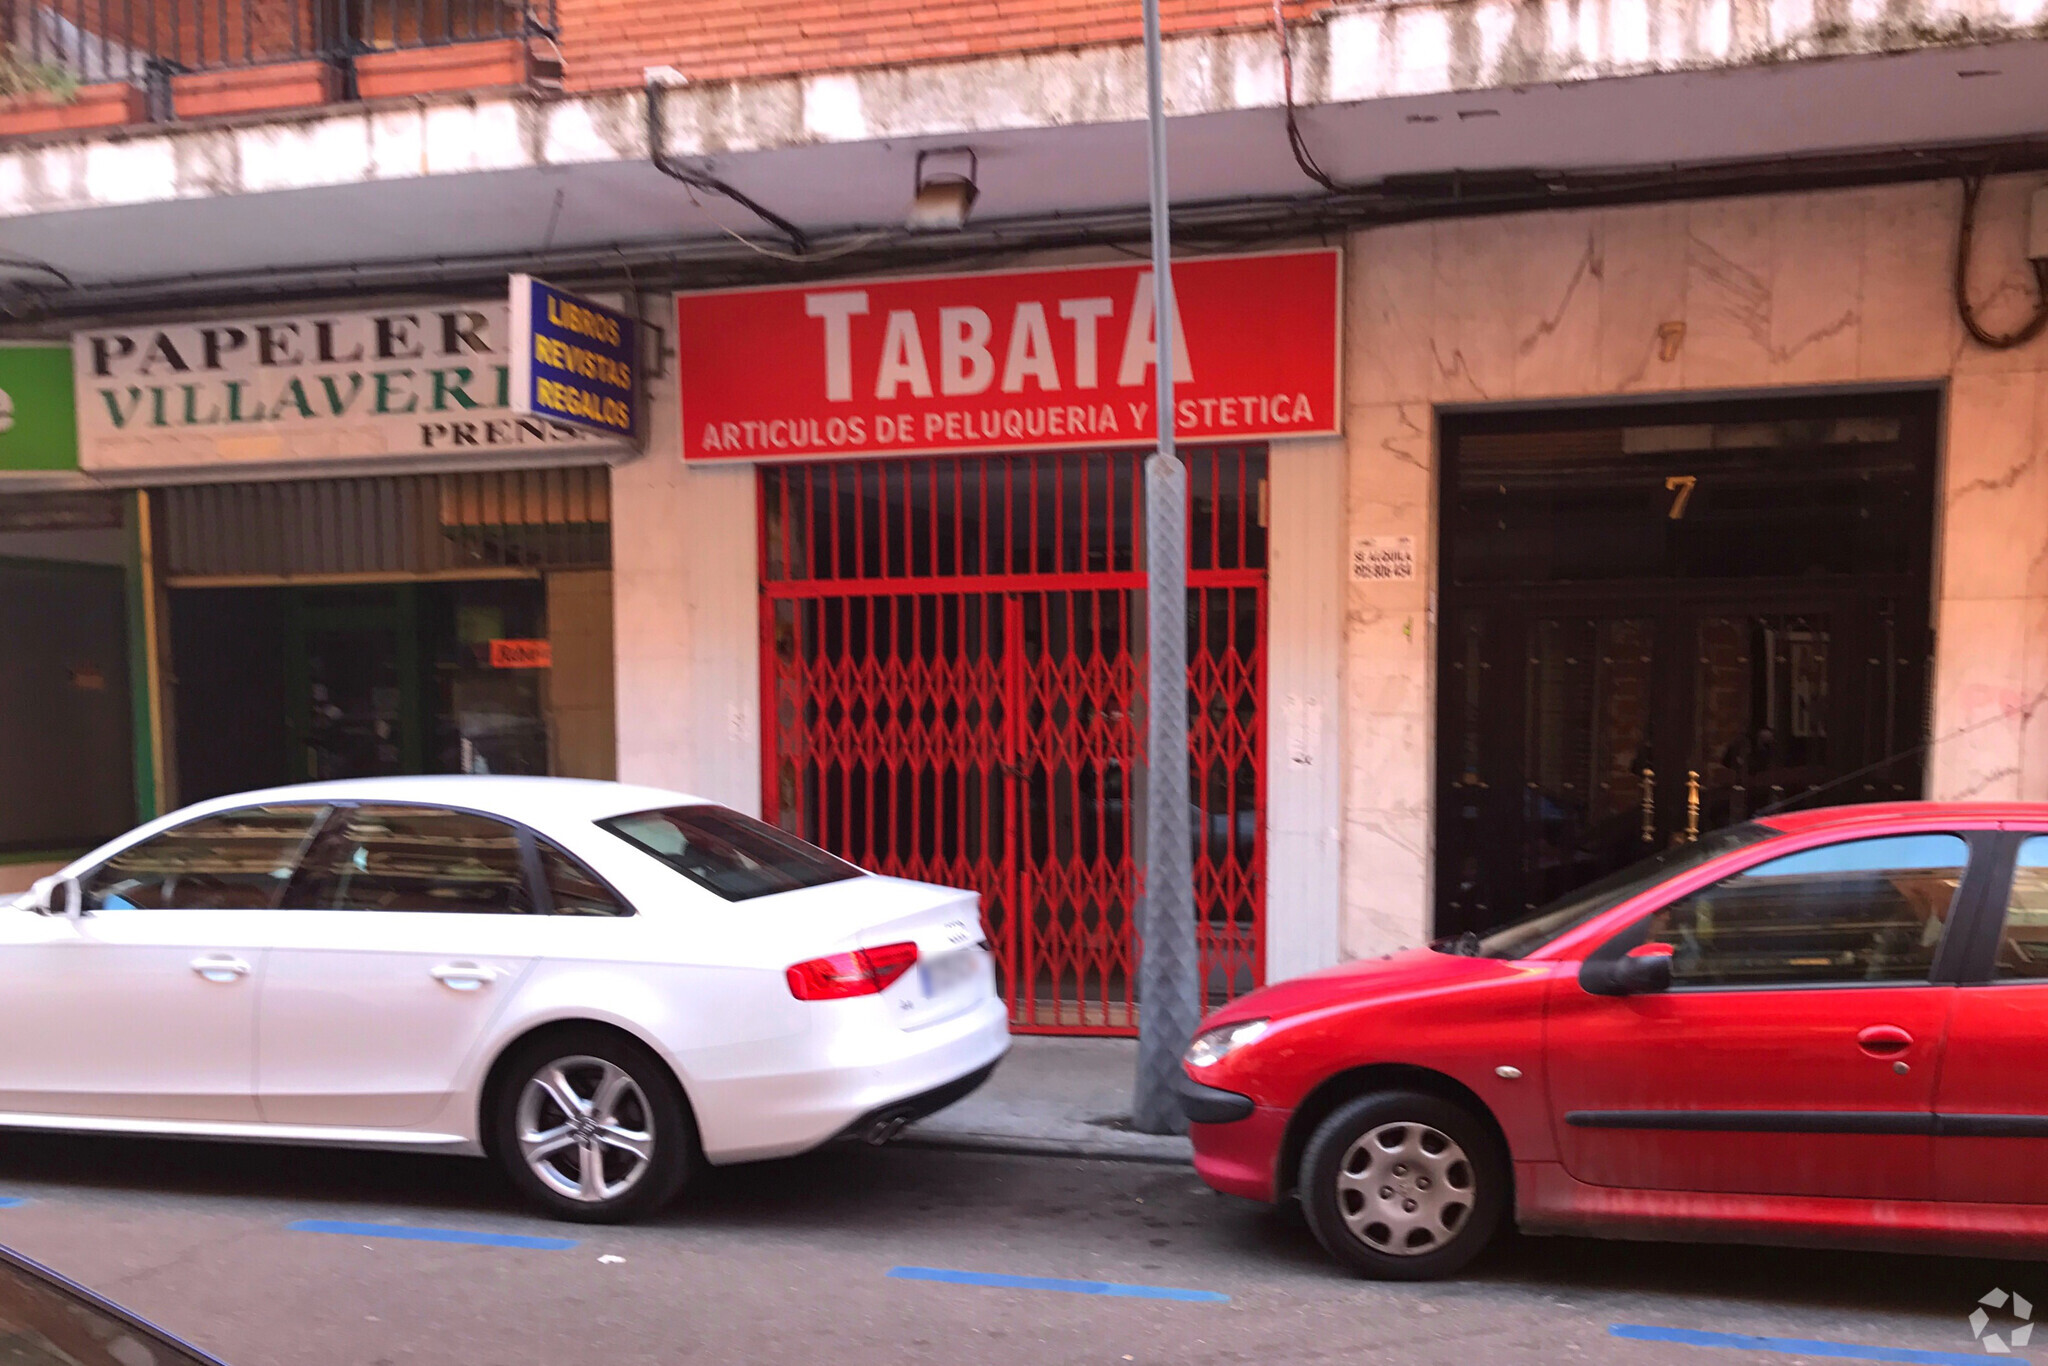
(791, 1262)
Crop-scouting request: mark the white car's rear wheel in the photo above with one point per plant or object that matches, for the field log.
(590, 1126)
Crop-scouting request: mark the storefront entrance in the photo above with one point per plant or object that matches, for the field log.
(1657, 621)
(68, 760)
(357, 628)
(953, 692)
(355, 681)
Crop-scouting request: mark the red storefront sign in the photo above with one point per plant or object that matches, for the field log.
(522, 654)
(1022, 360)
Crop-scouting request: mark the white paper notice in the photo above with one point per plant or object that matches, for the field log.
(1382, 559)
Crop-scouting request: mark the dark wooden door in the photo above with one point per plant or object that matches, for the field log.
(1660, 622)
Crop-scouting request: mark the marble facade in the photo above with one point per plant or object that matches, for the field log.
(1788, 293)
(1825, 290)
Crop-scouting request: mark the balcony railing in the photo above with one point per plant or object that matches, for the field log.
(54, 43)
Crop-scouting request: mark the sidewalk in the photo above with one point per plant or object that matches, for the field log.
(1070, 1097)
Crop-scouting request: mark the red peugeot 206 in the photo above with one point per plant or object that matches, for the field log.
(1821, 1029)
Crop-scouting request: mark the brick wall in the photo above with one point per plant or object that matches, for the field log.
(201, 34)
(609, 43)
(118, 39)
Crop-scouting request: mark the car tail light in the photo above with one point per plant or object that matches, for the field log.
(860, 973)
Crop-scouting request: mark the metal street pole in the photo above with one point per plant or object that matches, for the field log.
(1169, 982)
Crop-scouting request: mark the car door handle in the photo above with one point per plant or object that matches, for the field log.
(465, 976)
(1884, 1041)
(220, 967)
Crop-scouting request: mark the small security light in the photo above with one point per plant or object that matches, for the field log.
(945, 193)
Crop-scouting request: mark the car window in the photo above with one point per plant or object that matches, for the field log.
(237, 860)
(573, 889)
(1870, 910)
(735, 856)
(415, 858)
(1520, 938)
(47, 1322)
(2023, 944)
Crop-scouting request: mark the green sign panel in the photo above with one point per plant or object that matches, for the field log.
(38, 417)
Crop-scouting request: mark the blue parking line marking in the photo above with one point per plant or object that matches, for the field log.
(1805, 1347)
(10, 1201)
(408, 1233)
(985, 1278)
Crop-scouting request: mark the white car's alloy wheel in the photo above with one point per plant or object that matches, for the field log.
(591, 1125)
(585, 1129)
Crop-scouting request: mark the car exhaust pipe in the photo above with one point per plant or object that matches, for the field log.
(884, 1130)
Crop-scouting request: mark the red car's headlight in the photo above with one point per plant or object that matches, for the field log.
(1212, 1046)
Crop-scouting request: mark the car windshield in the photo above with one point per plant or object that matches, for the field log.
(45, 1321)
(722, 851)
(1520, 938)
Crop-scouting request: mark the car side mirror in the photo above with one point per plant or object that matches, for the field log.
(1642, 971)
(54, 895)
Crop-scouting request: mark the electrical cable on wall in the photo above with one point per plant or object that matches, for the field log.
(814, 256)
(1236, 224)
(547, 241)
(1973, 186)
(1303, 158)
(13, 291)
(40, 267)
(799, 242)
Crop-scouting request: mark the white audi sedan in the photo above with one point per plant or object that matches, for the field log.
(601, 986)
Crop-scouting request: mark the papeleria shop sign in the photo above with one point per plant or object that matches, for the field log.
(1030, 359)
(431, 380)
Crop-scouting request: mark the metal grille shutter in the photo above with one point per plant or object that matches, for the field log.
(470, 525)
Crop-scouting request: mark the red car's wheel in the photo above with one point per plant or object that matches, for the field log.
(1403, 1186)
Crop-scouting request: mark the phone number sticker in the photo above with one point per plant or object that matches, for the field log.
(1382, 559)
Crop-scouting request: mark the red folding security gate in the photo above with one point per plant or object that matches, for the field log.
(953, 692)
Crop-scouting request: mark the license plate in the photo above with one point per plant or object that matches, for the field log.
(948, 972)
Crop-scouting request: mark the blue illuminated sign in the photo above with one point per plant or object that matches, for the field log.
(574, 361)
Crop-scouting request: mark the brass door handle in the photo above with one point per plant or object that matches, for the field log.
(1649, 806)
